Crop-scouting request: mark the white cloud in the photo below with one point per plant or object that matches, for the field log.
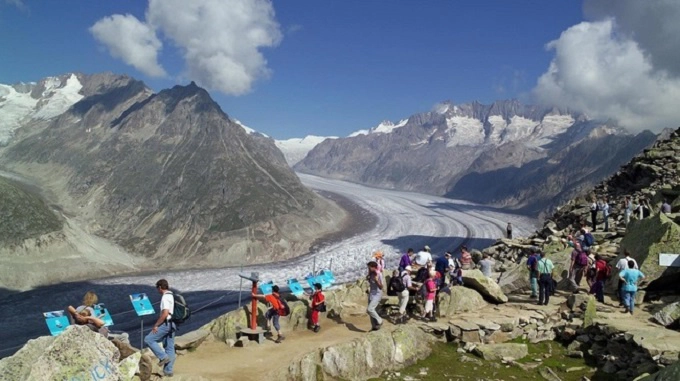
(220, 40)
(601, 70)
(652, 24)
(132, 41)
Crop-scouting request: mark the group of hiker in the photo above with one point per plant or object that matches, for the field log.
(585, 263)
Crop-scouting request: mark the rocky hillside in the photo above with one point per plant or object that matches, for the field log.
(167, 175)
(23, 214)
(648, 179)
(507, 153)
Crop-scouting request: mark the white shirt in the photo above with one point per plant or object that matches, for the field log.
(168, 303)
(423, 257)
(622, 264)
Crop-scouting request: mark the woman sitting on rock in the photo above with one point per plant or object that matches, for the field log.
(85, 314)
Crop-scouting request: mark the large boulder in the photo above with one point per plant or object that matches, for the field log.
(18, 366)
(379, 351)
(484, 285)
(77, 354)
(459, 299)
(362, 358)
(668, 315)
(645, 239)
(497, 352)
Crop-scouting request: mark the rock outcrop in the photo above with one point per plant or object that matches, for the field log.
(78, 353)
(363, 358)
(668, 315)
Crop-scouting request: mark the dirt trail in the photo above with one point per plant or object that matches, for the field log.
(217, 361)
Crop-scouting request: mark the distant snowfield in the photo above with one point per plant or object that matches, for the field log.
(295, 149)
(403, 220)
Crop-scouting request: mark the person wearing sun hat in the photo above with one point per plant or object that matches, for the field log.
(380, 260)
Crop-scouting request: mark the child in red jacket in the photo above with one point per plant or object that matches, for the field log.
(318, 305)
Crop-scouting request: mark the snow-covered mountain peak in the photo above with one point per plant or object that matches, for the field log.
(46, 99)
(385, 127)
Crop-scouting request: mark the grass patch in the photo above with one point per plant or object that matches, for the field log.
(445, 363)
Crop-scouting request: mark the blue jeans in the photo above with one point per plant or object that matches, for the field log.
(166, 334)
(373, 302)
(533, 280)
(629, 299)
(273, 315)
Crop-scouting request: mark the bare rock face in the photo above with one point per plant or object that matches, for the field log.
(541, 156)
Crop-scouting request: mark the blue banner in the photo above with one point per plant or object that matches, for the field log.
(142, 304)
(56, 321)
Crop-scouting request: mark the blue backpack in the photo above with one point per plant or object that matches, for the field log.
(588, 239)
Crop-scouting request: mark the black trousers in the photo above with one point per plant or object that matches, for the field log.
(544, 288)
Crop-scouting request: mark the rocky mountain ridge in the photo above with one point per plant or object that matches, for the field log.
(462, 151)
(168, 175)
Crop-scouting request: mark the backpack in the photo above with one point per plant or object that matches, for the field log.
(608, 271)
(582, 259)
(397, 283)
(588, 239)
(181, 311)
(285, 309)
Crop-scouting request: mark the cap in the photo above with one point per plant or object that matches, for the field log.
(447, 254)
(408, 268)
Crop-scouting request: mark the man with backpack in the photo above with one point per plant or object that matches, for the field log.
(164, 330)
(578, 266)
(277, 307)
(406, 285)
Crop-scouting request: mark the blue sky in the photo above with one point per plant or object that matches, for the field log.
(322, 67)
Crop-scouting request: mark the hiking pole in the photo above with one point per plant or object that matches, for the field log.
(141, 335)
(330, 265)
(240, 288)
(314, 267)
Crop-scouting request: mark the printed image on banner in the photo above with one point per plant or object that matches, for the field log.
(142, 304)
(56, 321)
(102, 313)
(295, 287)
(266, 287)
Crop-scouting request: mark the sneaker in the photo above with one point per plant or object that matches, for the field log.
(167, 374)
(377, 327)
(533, 296)
(164, 362)
(279, 339)
(316, 328)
